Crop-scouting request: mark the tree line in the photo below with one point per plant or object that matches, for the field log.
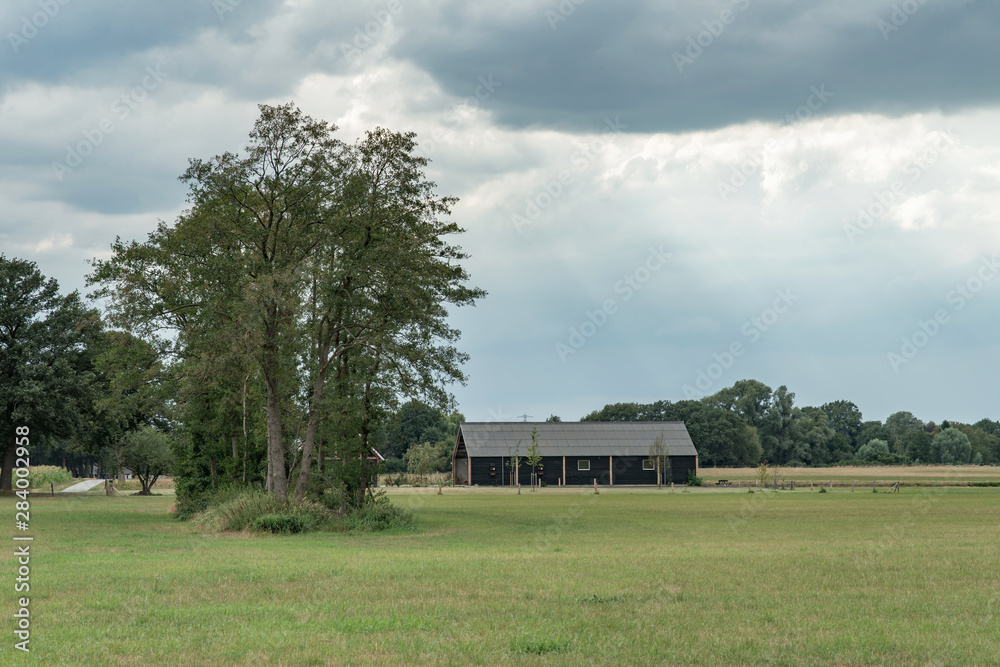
(749, 422)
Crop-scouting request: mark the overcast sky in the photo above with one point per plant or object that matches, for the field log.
(660, 198)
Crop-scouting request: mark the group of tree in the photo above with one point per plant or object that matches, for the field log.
(418, 438)
(749, 422)
(89, 396)
(302, 294)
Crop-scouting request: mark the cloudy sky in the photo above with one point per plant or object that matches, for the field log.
(660, 198)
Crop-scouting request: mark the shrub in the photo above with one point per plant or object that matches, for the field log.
(235, 509)
(694, 480)
(41, 476)
(871, 450)
(284, 523)
(378, 515)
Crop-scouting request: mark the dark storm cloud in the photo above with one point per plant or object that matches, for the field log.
(87, 42)
(679, 67)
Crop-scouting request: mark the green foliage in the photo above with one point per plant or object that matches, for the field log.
(149, 454)
(426, 458)
(844, 417)
(694, 480)
(951, 447)
(871, 450)
(236, 509)
(378, 515)
(917, 446)
(284, 523)
(47, 344)
(41, 476)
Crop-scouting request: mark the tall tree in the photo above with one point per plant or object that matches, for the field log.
(47, 380)
(844, 417)
(749, 399)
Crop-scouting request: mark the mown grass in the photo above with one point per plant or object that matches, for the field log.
(568, 577)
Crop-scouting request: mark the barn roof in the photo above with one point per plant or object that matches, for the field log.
(574, 438)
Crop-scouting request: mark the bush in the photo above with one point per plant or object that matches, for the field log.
(872, 449)
(378, 515)
(284, 523)
(235, 509)
(694, 480)
(41, 476)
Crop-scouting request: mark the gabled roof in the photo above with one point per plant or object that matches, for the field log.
(574, 438)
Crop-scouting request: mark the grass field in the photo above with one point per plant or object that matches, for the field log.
(555, 577)
(946, 475)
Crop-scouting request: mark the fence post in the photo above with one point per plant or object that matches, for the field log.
(595, 487)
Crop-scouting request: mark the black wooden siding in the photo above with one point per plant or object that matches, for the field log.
(494, 471)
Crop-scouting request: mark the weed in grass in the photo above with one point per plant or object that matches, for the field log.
(601, 599)
(539, 646)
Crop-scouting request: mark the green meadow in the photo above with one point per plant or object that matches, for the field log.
(560, 577)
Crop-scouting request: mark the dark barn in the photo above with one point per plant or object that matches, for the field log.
(573, 453)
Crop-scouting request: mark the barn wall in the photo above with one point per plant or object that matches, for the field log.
(679, 466)
(488, 471)
(627, 470)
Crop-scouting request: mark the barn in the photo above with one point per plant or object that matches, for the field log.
(573, 453)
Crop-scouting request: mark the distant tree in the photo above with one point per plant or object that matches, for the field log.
(874, 430)
(899, 425)
(871, 450)
(748, 399)
(988, 426)
(951, 447)
(148, 454)
(630, 412)
(414, 423)
(534, 457)
(720, 436)
(425, 458)
(845, 419)
(553, 418)
(917, 446)
(659, 453)
(985, 445)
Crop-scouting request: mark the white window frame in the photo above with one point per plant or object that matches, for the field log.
(581, 462)
(648, 464)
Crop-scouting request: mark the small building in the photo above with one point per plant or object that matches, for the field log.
(573, 453)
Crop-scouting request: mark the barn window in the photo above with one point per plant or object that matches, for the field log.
(583, 465)
(649, 464)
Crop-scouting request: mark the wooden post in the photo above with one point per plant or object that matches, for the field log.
(469, 481)
(810, 485)
(439, 489)
(611, 471)
(595, 487)
(564, 468)
(793, 485)
(852, 486)
(52, 489)
(671, 487)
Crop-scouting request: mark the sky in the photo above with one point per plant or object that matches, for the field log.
(660, 198)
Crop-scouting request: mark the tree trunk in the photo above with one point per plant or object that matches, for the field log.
(275, 445)
(211, 463)
(313, 428)
(6, 474)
